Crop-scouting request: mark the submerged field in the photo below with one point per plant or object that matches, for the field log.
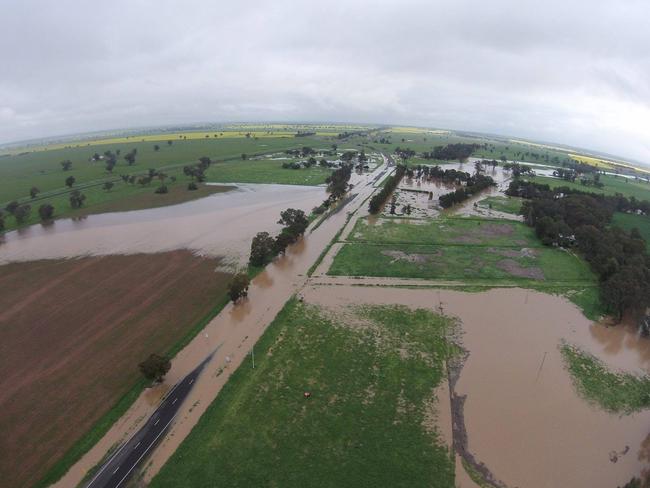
(73, 334)
(370, 421)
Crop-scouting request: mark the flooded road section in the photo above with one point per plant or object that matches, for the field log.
(231, 334)
(217, 225)
(523, 417)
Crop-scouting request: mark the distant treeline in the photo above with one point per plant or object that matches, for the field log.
(451, 151)
(301, 133)
(377, 201)
(475, 184)
(566, 217)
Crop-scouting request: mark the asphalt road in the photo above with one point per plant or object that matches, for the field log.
(121, 465)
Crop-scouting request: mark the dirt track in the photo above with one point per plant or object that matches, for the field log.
(56, 319)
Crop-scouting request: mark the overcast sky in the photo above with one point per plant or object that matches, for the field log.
(569, 71)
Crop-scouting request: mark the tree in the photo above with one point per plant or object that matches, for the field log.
(66, 165)
(238, 287)
(170, 142)
(282, 241)
(46, 211)
(155, 367)
(295, 222)
(625, 289)
(22, 213)
(192, 186)
(262, 249)
(77, 199)
(2, 221)
(110, 164)
(337, 182)
(108, 185)
(34, 191)
(244, 156)
(130, 157)
(12, 206)
(156, 147)
(69, 181)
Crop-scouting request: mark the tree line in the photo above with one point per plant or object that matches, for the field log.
(572, 218)
(264, 247)
(458, 151)
(474, 185)
(378, 200)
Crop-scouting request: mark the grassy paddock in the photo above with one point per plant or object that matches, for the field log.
(510, 205)
(466, 231)
(613, 185)
(369, 421)
(458, 263)
(613, 391)
(266, 171)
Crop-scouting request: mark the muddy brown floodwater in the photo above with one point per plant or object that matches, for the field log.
(231, 334)
(523, 417)
(415, 192)
(218, 225)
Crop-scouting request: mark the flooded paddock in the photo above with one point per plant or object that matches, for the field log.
(522, 415)
(218, 225)
(423, 194)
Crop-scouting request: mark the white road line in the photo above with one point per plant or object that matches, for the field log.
(116, 470)
(156, 422)
(136, 446)
(107, 463)
(191, 381)
(175, 399)
(145, 452)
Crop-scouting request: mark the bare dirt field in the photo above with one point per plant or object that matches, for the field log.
(73, 332)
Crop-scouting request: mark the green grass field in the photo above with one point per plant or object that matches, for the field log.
(463, 263)
(43, 170)
(510, 205)
(369, 421)
(266, 171)
(424, 140)
(469, 254)
(467, 231)
(631, 221)
(613, 185)
(613, 391)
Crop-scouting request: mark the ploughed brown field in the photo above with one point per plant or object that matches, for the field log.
(72, 333)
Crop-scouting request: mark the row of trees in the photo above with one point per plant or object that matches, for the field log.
(518, 169)
(264, 247)
(22, 212)
(475, 184)
(565, 217)
(378, 200)
(449, 152)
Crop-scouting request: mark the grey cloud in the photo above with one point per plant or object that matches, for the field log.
(574, 72)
